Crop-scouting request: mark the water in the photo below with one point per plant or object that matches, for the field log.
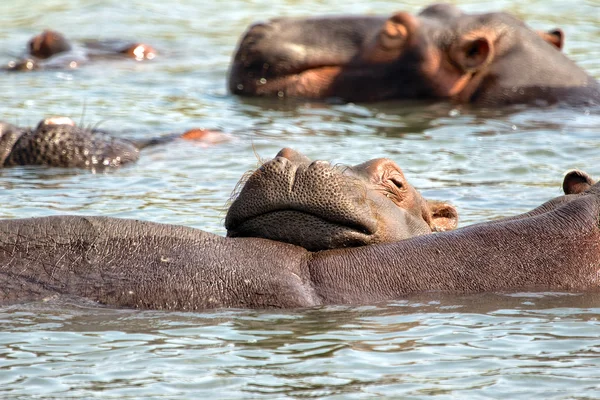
(489, 163)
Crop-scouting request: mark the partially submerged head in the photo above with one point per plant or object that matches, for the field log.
(319, 206)
(439, 53)
(47, 44)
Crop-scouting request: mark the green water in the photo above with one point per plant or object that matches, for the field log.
(489, 163)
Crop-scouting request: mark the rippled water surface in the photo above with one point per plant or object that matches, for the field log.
(489, 163)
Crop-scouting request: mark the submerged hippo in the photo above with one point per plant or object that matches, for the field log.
(50, 49)
(441, 53)
(58, 142)
(128, 263)
(318, 206)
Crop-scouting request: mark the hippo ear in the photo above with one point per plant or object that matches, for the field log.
(396, 30)
(577, 181)
(473, 54)
(391, 39)
(555, 37)
(444, 216)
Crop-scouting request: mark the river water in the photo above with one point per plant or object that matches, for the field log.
(489, 163)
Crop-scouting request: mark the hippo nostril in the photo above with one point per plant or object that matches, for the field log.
(293, 155)
(319, 163)
(280, 160)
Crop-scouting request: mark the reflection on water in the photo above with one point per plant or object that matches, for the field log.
(489, 163)
(489, 345)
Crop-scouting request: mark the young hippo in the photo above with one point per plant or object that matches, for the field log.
(50, 49)
(137, 264)
(441, 54)
(58, 142)
(318, 206)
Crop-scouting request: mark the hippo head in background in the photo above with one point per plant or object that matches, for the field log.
(51, 50)
(50, 43)
(319, 206)
(47, 44)
(439, 54)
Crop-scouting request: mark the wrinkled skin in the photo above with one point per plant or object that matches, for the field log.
(317, 206)
(50, 49)
(136, 264)
(440, 54)
(58, 142)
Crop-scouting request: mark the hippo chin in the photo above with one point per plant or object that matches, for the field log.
(50, 49)
(59, 142)
(128, 263)
(439, 54)
(318, 206)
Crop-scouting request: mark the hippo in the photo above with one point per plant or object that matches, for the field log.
(50, 49)
(442, 53)
(58, 142)
(317, 206)
(126, 263)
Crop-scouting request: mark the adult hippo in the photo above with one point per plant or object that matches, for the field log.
(441, 54)
(128, 263)
(319, 206)
(58, 142)
(50, 49)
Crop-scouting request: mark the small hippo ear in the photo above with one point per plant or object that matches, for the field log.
(473, 54)
(555, 37)
(396, 30)
(391, 39)
(444, 216)
(577, 181)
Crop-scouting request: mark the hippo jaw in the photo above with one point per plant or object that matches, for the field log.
(310, 231)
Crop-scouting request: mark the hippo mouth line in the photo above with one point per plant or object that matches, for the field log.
(281, 218)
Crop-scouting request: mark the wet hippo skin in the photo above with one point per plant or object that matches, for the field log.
(128, 263)
(50, 49)
(319, 206)
(439, 54)
(62, 144)
(58, 142)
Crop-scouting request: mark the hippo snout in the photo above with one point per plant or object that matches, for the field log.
(309, 203)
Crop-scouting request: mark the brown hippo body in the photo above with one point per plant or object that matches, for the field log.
(128, 263)
(50, 49)
(440, 54)
(58, 142)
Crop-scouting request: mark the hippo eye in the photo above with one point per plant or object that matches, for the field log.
(397, 182)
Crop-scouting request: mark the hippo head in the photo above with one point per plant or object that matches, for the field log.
(319, 206)
(47, 44)
(440, 53)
